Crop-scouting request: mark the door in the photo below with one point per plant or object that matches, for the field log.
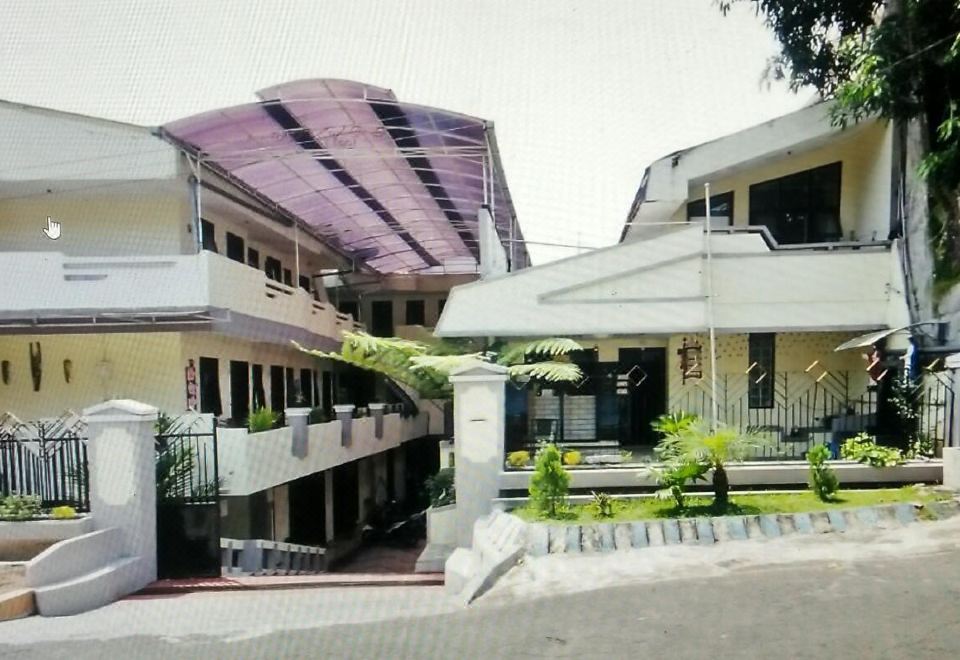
(642, 372)
(277, 390)
(239, 391)
(381, 318)
(308, 510)
(210, 386)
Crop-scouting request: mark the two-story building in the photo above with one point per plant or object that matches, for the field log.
(191, 255)
(801, 255)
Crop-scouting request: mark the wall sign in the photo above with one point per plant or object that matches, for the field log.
(690, 361)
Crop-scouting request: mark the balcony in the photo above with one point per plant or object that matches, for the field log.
(52, 292)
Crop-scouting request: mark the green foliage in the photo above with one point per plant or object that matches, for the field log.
(863, 448)
(823, 480)
(164, 423)
(602, 504)
(19, 507)
(262, 419)
(673, 423)
(922, 446)
(440, 487)
(63, 513)
(550, 482)
(673, 477)
(518, 459)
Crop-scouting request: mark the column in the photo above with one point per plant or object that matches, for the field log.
(479, 427)
(328, 504)
(951, 454)
(400, 473)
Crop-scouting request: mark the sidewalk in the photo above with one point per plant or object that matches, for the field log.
(271, 582)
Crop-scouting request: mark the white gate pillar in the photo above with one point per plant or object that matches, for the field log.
(951, 455)
(479, 410)
(123, 490)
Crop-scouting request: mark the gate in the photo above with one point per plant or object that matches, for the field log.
(188, 498)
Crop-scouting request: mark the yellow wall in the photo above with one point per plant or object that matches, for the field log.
(865, 180)
(148, 222)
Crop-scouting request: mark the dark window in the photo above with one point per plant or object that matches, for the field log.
(234, 247)
(351, 308)
(209, 237)
(381, 321)
(800, 208)
(210, 386)
(292, 390)
(440, 305)
(721, 206)
(304, 283)
(760, 370)
(416, 312)
(259, 396)
(326, 391)
(253, 258)
(306, 387)
(277, 391)
(239, 390)
(287, 277)
(271, 267)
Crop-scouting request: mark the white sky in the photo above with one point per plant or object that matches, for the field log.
(584, 93)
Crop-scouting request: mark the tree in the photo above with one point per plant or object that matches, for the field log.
(426, 367)
(711, 448)
(550, 482)
(895, 59)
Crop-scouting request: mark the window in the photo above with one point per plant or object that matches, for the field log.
(304, 283)
(760, 370)
(239, 390)
(272, 268)
(208, 236)
(277, 391)
(253, 258)
(350, 307)
(306, 387)
(234, 247)
(800, 208)
(721, 209)
(287, 277)
(381, 321)
(292, 393)
(210, 386)
(440, 305)
(416, 312)
(259, 395)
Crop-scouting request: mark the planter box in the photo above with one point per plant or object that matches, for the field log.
(442, 525)
(24, 539)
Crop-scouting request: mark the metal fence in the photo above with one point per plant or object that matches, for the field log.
(47, 459)
(186, 460)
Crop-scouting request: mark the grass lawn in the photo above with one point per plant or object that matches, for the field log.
(647, 508)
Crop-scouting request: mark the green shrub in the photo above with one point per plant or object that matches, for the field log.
(19, 507)
(863, 448)
(440, 487)
(63, 512)
(602, 505)
(518, 459)
(261, 419)
(672, 477)
(673, 423)
(823, 480)
(550, 482)
(572, 457)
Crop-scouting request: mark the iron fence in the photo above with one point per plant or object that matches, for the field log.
(47, 459)
(186, 461)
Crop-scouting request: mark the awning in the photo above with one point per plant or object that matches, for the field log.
(396, 186)
(872, 338)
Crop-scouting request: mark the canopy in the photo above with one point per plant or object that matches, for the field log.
(396, 186)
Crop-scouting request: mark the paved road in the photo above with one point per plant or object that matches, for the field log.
(872, 604)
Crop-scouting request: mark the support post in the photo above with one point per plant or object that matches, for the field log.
(123, 492)
(479, 395)
(376, 411)
(951, 454)
(297, 421)
(329, 532)
(344, 413)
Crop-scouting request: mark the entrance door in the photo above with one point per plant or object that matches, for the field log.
(239, 391)
(308, 510)
(381, 321)
(643, 373)
(210, 386)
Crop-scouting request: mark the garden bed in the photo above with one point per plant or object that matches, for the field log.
(753, 504)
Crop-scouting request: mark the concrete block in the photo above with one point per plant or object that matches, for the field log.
(705, 531)
(622, 536)
(754, 530)
(821, 522)
(769, 525)
(655, 534)
(787, 525)
(951, 467)
(867, 516)
(590, 538)
(558, 539)
(459, 570)
(91, 590)
(906, 513)
(17, 604)
(837, 521)
(719, 530)
(671, 531)
(803, 523)
(573, 538)
(538, 540)
(943, 510)
(606, 537)
(736, 528)
(688, 531)
(638, 535)
(887, 517)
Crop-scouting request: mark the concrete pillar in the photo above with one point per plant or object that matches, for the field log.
(951, 454)
(344, 414)
(281, 512)
(376, 411)
(479, 408)
(123, 491)
(328, 505)
(400, 473)
(380, 468)
(297, 421)
(364, 487)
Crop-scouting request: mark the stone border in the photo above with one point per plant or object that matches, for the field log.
(17, 604)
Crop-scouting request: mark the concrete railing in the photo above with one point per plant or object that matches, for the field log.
(251, 462)
(262, 557)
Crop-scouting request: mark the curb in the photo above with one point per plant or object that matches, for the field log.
(17, 604)
(264, 583)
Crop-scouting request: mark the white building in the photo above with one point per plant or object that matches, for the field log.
(191, 255)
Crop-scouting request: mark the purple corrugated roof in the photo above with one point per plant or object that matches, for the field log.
(395, 185)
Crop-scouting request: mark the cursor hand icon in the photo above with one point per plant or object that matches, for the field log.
(52, 230)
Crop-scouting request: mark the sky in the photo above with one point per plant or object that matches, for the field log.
(584, 94)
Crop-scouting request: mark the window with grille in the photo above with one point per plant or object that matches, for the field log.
(760, 369)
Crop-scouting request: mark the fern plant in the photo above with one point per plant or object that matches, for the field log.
(602, 504)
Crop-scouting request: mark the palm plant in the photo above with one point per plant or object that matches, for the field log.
(712, 447)
(426, 367)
